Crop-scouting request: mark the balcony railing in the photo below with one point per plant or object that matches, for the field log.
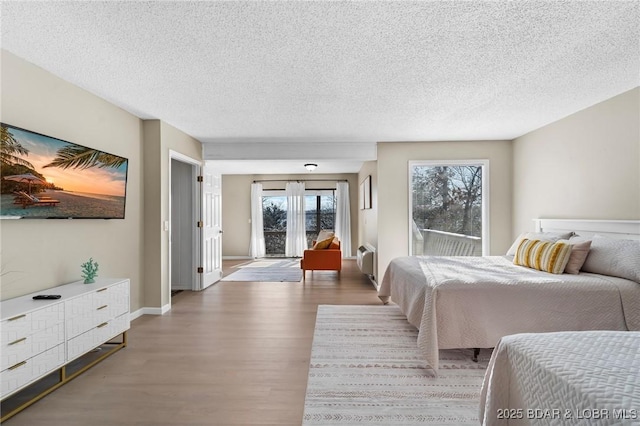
(275, 241)
(429, 242)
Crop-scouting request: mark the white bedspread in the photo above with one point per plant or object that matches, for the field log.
(471, 302)
(568, 378)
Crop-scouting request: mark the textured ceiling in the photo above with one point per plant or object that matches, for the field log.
(337, 71)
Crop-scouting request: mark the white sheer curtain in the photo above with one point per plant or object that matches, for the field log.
(256, 246)
(296, 241)
(343, 217)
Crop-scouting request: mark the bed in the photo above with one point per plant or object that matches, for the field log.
(588, 377)
(471, 302)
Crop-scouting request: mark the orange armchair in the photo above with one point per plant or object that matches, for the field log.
(329, 259)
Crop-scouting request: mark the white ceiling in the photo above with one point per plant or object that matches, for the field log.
(338, 72)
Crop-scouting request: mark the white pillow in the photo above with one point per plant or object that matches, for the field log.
(324, 234)
(544, 236)
(616, 258)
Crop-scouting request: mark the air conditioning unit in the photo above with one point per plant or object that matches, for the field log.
(366, 259)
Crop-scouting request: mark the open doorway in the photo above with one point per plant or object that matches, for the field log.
(195, 224)
(183, 218)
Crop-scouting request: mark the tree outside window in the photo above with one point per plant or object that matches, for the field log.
(320, 213)
(447, 203)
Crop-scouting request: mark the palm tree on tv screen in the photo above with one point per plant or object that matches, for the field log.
(10, 148)
(80, 157)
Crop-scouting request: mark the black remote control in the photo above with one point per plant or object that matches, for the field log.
(47, 296)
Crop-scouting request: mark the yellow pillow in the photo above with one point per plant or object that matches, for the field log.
(335, 244)
(321, 245)
(543, 255)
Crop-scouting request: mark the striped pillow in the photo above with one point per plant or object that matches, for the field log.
(543, 255)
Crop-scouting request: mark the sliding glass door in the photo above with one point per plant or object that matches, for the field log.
(320, 213)
(274, 210)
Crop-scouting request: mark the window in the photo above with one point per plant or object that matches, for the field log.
(448, 208)
(320, 213)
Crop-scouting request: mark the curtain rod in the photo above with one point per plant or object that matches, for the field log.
(308, 189)
(300, 180)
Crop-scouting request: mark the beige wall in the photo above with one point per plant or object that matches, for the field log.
(40, 254)
(136, 247)
(393, 190)
(236, 215)
(236, 206)
(159, 139)
(585, 166)
(368, 218)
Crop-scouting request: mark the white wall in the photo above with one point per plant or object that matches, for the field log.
(368, 218)
(393, 190)
(40, 254)
(586, 165)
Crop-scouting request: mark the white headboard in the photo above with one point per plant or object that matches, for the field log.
(621, 229)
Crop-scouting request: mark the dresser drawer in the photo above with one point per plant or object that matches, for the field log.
(25, 372)
(115, 295)
(90, 310)
(96, 336)
(22, 326)
(26, 347)
(89, 302)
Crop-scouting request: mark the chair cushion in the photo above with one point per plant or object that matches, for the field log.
(323, 244)
(324, 234)
(335, 244)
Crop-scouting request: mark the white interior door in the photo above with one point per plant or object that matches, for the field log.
(211, 226)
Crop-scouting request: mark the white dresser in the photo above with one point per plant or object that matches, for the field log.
(39, 337)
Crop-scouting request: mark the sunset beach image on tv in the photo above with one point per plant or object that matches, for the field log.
(45, 177)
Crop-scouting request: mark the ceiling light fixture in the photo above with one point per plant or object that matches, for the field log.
(310, 166)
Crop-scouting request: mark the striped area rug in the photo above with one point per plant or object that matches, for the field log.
(365, 369)
(267, 270)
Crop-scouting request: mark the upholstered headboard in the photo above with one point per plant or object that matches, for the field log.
(622, 229)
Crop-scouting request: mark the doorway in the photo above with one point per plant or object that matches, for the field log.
(183, 235)
(194, 225)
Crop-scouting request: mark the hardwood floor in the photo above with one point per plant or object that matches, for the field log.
(235, 354)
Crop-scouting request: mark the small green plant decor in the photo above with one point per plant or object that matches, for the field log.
(89, 271)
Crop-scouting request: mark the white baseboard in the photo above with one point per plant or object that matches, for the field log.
(135, 314)
(374, 282)
(149, 311)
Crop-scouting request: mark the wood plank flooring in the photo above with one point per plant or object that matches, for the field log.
(235, 354)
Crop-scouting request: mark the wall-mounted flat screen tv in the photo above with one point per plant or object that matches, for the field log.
(48, 178)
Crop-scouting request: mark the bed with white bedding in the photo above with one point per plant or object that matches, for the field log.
(566, 378)
(471, 302)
